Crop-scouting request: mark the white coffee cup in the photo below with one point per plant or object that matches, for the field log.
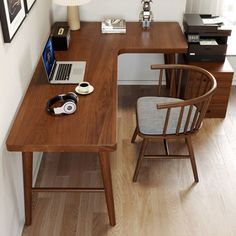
(83, 87)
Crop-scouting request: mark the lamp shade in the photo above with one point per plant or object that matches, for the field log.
(71, 2)
(72, 11)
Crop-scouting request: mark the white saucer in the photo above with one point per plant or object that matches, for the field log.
(91, 88)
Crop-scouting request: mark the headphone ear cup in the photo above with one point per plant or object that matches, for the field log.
(69, 107)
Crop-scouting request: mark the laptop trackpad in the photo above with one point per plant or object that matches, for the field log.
(78, 71)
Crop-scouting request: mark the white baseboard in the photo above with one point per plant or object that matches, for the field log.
(20, 228)
(146, 82)
(137, 82)
(36, 167)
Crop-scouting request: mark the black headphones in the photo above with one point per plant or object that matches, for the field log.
(70, 100)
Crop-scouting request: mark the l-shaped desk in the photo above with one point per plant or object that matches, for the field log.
(93, 127)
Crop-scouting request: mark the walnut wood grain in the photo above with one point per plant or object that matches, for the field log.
(106, 176)
(27, 162)
(205, 85)
(93, 126)
(165, 201)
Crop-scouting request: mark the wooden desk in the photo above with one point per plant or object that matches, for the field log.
(93, 126)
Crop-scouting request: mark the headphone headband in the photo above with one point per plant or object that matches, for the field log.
(70, 100)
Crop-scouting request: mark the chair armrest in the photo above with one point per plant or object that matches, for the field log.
(183, 103)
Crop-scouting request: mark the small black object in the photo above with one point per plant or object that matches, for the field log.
(60, 36)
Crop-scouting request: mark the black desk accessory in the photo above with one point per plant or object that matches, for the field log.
(60, 36)
(206, 42)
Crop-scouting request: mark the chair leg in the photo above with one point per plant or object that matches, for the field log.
(134, 135)
(166, 147)
(140, 159)
(192, 158)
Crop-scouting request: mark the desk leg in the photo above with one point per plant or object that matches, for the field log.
(106, 176)
(170, 58)
(27, 161)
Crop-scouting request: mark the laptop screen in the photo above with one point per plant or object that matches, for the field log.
(48, 57)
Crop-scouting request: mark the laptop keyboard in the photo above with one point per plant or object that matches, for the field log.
(63, 72)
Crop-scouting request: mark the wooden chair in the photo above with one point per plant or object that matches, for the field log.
(177, 112)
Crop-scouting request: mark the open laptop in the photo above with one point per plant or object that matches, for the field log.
(61, 72)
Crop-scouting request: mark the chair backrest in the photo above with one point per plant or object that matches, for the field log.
(194, 86)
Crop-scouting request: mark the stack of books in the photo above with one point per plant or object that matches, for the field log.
(114, 26)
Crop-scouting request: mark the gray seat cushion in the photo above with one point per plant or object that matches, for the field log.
(151, 120)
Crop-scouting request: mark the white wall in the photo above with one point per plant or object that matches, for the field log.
(232, 61)
(132, 68)
(96, 10)
(214, 7)
(17, 64)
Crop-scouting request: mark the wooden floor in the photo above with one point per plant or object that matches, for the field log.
(165, 201)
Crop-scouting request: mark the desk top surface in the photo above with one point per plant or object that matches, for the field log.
(93, 126)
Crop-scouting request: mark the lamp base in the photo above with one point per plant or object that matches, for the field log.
(73, 17)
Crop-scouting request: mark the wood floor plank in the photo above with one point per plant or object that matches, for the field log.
(165, 201)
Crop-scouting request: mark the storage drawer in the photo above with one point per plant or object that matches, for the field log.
(216, 111)
(224, 80)
(196, 49)
(219, 103)
(205, 58)
(221, 93)
(223, 73)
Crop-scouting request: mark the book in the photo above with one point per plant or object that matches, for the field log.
(113, 26)
(113, 31)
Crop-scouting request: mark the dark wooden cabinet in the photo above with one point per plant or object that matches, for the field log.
(223, 73)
